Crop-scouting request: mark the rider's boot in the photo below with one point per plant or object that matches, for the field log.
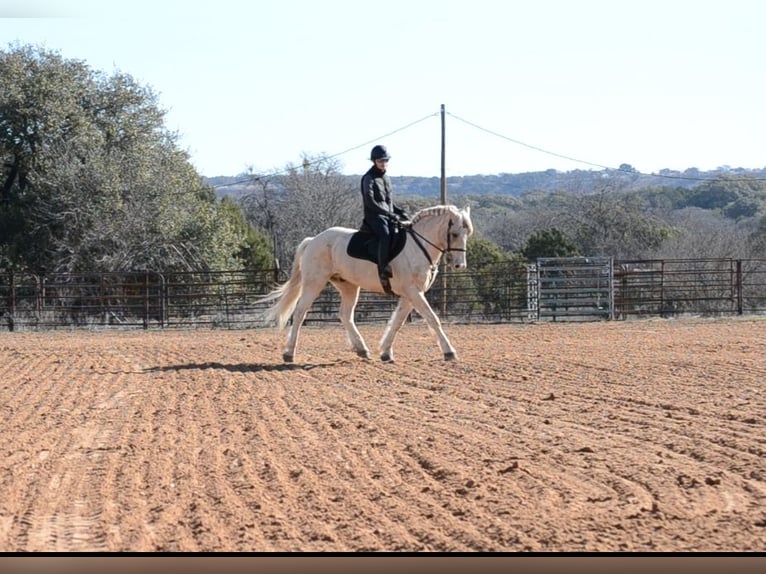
(384, 268)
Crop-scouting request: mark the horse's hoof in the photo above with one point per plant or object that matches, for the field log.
(387, 358)
(364, 354)
(287, 357)
(451, 356)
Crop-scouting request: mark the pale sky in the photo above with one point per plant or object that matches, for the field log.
(255, 84)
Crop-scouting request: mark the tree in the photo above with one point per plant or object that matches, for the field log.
(316, 196)
(482, 253)
(713, 195)
(91, 180)
(549, 243)
(614, 223)
(491, 268)
(700, 233)
(302, 202)
(255, 252)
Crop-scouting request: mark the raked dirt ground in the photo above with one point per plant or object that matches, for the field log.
(615, 436)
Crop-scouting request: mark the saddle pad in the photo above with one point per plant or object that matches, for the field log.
(364, 245)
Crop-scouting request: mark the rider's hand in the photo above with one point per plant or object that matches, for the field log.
(405, 223)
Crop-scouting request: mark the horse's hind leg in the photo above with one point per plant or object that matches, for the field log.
(349, 295)
(310, 292)
(400, 314)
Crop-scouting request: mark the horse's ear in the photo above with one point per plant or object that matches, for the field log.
(467, 219)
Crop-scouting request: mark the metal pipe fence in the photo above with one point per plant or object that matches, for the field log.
(501, 294)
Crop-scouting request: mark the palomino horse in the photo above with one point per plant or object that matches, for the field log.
(438, 230)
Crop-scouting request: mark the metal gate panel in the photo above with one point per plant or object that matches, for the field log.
(574, 288)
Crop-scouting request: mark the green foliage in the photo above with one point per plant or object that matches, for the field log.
(488, 287)
(735, 196)
(549, 243)
(91, 180)
(714, 195)
(742, 208)
(256, 250)
(484, 254)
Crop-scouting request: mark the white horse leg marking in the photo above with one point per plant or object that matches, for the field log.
(349, 295)
(394, 324)
(421, 306)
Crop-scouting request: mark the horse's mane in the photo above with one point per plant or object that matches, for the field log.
(441, 210)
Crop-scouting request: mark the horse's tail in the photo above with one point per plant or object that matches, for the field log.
(287, 294)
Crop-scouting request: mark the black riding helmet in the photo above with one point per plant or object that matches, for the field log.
(379, 152)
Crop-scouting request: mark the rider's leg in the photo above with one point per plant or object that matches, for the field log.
(384, 269)
(380, 227)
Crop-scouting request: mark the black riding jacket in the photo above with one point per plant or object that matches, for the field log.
(376, 199)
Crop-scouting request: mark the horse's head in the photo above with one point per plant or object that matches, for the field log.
(446, 228)
(459, 229)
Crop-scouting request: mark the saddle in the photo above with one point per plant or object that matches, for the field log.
(364, 245)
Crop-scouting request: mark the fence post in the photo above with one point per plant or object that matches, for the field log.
(610, 272)
(11, 299)
(738, 284)
(39, 295)
(163, 301)
(662, 287)
(146, 300)
(226, 302)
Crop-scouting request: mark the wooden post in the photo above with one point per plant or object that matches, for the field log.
(738, 284)
(443, 187)
(11, 299)
(146, 299)
(443, 196)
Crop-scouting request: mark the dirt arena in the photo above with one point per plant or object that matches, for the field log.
(615, 436)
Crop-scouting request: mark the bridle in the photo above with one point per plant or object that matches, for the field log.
(417, 237)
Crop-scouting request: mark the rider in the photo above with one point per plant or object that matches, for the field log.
(380, 212)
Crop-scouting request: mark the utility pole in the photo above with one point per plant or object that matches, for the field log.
(443, 196)
(444, 174)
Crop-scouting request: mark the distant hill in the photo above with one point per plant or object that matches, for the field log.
(516, 184)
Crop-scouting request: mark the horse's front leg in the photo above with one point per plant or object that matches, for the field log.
(398, 317)
(349, 295)
(421, 305)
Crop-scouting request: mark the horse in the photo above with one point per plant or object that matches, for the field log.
(434, 231)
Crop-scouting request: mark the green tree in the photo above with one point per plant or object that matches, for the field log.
(548, 243)
(256, 251)
(491, 268)
(743, 208)
(91, 179)
(485, 255)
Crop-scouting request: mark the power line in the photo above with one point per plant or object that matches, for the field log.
(478, 127)
(324, 158)
(631, 171)
(409, 125)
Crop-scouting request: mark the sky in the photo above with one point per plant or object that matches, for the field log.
(526, 85)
